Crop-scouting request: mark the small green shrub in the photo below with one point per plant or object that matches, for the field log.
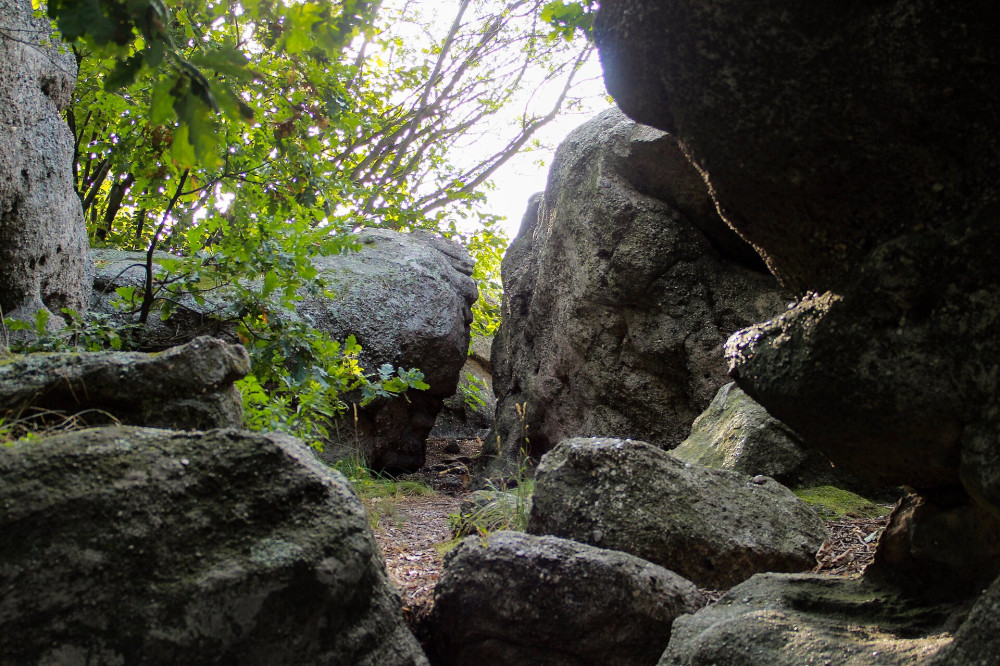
(299, 384)
(473, 391)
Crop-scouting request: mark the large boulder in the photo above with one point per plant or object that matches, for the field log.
(43, 237)
(857, 150)
(714, 527)
(736, 433)
(794, 619)
(512, 598)
(189, 387)
(824, 131)
(407, 299)
(907, 400)
(127, 545)
(619, 291)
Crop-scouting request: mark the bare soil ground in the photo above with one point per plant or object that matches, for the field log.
(415, 535)
(415, 538)
(412, 549)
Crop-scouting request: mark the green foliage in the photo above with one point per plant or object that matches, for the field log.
(263, 122)
(568, 17)
(357, 138)
(487, 247)
(247, 137)
(297, 385)
(301, 381)
(187, 73)
(40, 337)
(473, 391)
(96, 332)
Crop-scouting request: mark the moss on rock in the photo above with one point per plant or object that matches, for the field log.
(832, 503)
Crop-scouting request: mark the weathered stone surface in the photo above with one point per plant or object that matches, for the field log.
(186, 388)
(519, 599)
(736, 433)
(714, 527)
(824, 132)
(858, 151)
(885, 392)
(794, 619)
(129, 546)
(43, 238)
(977, 641)
(405, 297)
(620, 289)
(946, 547)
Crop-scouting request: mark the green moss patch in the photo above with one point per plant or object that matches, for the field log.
(834, 504)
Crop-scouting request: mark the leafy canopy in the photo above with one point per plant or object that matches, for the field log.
(245, 137)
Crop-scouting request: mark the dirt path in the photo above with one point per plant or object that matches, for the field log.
(408, 543)
(414, 532)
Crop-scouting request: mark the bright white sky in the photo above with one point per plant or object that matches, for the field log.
(522, 176)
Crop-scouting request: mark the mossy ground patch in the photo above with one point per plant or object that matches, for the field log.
(833, 503)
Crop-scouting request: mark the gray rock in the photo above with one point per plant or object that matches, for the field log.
(794, 619)
(481, 351)
(977, 641)
(858, 151)
(885, 394)
(43, 237)
(187, 388)
(519, 599)
(714, 527)
(736, 433)
(620, 289)
(128, 546)
(405, 297)
(823, 133)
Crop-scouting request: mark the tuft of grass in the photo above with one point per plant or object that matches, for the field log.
(40, 422)
(833, 503)
(493, 510)
(503, 505)
(380, 493)
(445, 547)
